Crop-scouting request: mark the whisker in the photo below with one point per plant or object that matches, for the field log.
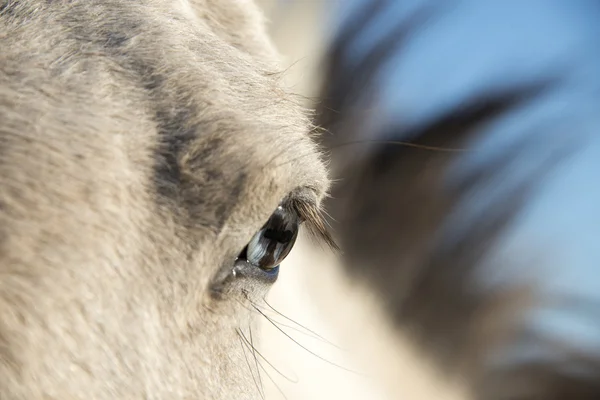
(405, 144)
(273, 381)
(264, 369)
(305, 348)
(300, 331)
(269, 363)
(308, 334)
(369, 141)
(262, 396)
(298, 324)
(253, 349)
(295, 380)
(278, 324)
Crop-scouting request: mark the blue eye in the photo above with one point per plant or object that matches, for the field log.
(273, 242)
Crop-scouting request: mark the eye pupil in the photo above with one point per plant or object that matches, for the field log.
(279, 236)
(273, 242)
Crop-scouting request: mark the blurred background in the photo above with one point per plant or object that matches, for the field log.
(464, 197)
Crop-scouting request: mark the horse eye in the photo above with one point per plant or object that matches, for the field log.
(273, 242)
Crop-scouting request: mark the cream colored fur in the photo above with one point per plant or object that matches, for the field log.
(104, 284)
